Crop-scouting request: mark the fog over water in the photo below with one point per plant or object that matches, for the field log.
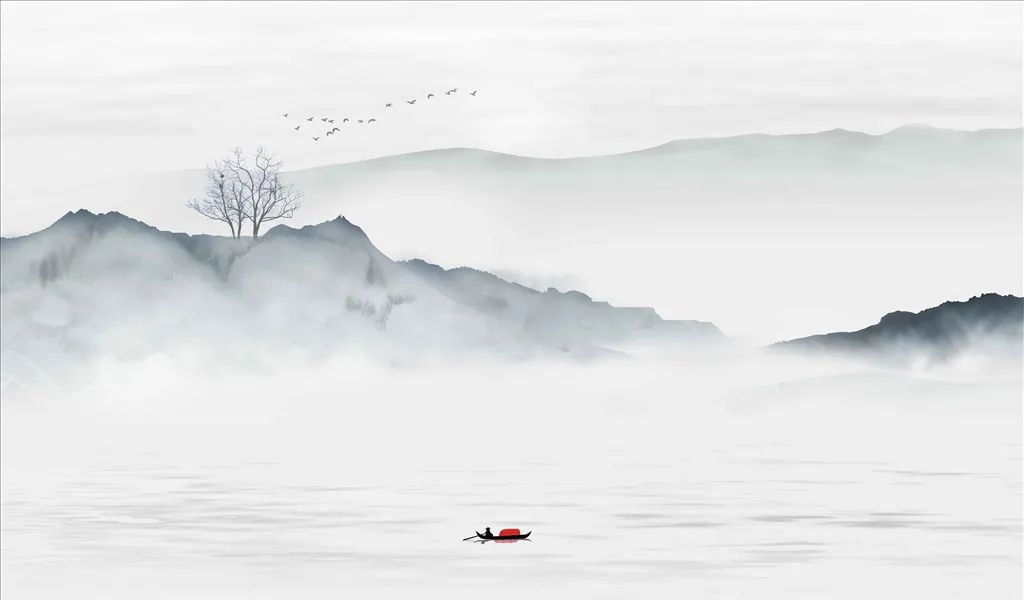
(550, 306)
(734, 476)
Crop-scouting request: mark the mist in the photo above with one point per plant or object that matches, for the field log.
(635, 476)
(709, 300)
(203, 416)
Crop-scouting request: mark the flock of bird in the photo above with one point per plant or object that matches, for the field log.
(336, 130)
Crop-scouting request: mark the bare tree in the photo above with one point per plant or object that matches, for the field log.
(238, 191)
(222, 200)
(266, 197)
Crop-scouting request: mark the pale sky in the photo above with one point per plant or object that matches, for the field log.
(97, 88)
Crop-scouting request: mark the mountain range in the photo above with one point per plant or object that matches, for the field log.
(691, 226)
(105, 285)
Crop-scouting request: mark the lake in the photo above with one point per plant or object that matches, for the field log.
(875, 486)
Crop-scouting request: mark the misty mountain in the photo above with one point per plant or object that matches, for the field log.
(690, 226)
(722, 216)
(984, 323)
(105, 286)
(552, 314)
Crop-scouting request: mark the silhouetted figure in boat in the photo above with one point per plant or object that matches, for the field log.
(487, 534)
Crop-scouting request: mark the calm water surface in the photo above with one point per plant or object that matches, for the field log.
(220, 511)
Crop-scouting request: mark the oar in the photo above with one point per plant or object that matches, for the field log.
(470, 537)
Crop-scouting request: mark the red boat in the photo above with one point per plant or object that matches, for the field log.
(505, 534)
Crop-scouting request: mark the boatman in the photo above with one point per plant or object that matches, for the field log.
(487, 533)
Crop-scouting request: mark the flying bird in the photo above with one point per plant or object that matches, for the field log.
(286, 115)
(388, 105)
(429, 96)
(410, 102)
(335, 129)
(316, 139)
(330, 132)
(344, 120)
(473, 93)
(330, 120)
(359, 121)
(297, 127)
(371, 120)
(448, 93)
(310, 119)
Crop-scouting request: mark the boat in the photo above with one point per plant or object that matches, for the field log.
(505, 536)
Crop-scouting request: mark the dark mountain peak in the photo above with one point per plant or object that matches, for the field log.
(342, 221)
(938, 332)
(899, 316)
(98, 222)
(74, 215)
(84, 215)
(988, 299)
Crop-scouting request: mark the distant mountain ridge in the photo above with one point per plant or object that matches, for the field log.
(916, 144)
(935, 333)
(910, 132)
(157, 197)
